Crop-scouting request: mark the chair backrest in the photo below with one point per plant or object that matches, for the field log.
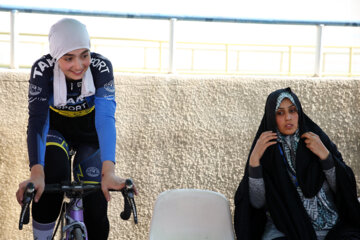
(191, 214)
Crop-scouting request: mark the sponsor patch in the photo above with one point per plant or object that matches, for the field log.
(34, 90)
(92, 171)
(110, 86)
(33, 99)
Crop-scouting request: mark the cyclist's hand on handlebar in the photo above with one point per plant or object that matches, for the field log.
(109, 180)
(37, 177)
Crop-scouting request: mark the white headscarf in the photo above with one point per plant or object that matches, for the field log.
(65, 36)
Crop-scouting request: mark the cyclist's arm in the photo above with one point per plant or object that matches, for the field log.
(38, 97)
(109, 180)
(38, 123)
(37, 177)
(105, 106)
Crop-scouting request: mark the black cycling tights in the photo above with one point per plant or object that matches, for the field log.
(57, 170)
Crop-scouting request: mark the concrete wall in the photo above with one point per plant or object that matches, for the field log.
(178, 132)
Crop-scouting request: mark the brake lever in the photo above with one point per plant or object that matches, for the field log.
(129, 202)
(25, 208)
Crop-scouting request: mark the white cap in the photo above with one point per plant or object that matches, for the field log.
(67, 35)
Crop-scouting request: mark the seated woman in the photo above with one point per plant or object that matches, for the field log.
(296, 185)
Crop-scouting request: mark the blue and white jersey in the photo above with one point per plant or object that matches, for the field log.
(81, 119)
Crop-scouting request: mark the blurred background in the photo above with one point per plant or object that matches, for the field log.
(208, 37)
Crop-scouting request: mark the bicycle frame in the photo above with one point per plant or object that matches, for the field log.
(71, 214)
(73, 218)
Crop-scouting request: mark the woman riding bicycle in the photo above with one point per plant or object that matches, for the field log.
(71, 110)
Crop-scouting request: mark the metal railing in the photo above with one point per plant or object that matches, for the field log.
(231, 58)
(232, 55)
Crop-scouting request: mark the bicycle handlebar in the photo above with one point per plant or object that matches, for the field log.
(78, 190)
(73, 189)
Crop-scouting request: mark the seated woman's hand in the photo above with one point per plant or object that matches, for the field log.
(265, 140)
(314, 143)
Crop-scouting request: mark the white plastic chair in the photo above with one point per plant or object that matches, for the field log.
(191, 214)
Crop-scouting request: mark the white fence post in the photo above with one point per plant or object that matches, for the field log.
(13, 40)
(319, 51)
(172, 46)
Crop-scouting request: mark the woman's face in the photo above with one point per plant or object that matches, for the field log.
(75, 63)
(287, 117)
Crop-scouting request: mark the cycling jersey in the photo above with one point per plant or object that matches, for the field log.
(82, 119)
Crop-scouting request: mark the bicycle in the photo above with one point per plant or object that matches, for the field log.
(71, 213)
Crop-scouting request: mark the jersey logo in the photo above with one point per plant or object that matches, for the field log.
(42, 65)
(92, 171)
(101, 65)
(40, 99)
(73, 112)
(110, 86)
(34, 90)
